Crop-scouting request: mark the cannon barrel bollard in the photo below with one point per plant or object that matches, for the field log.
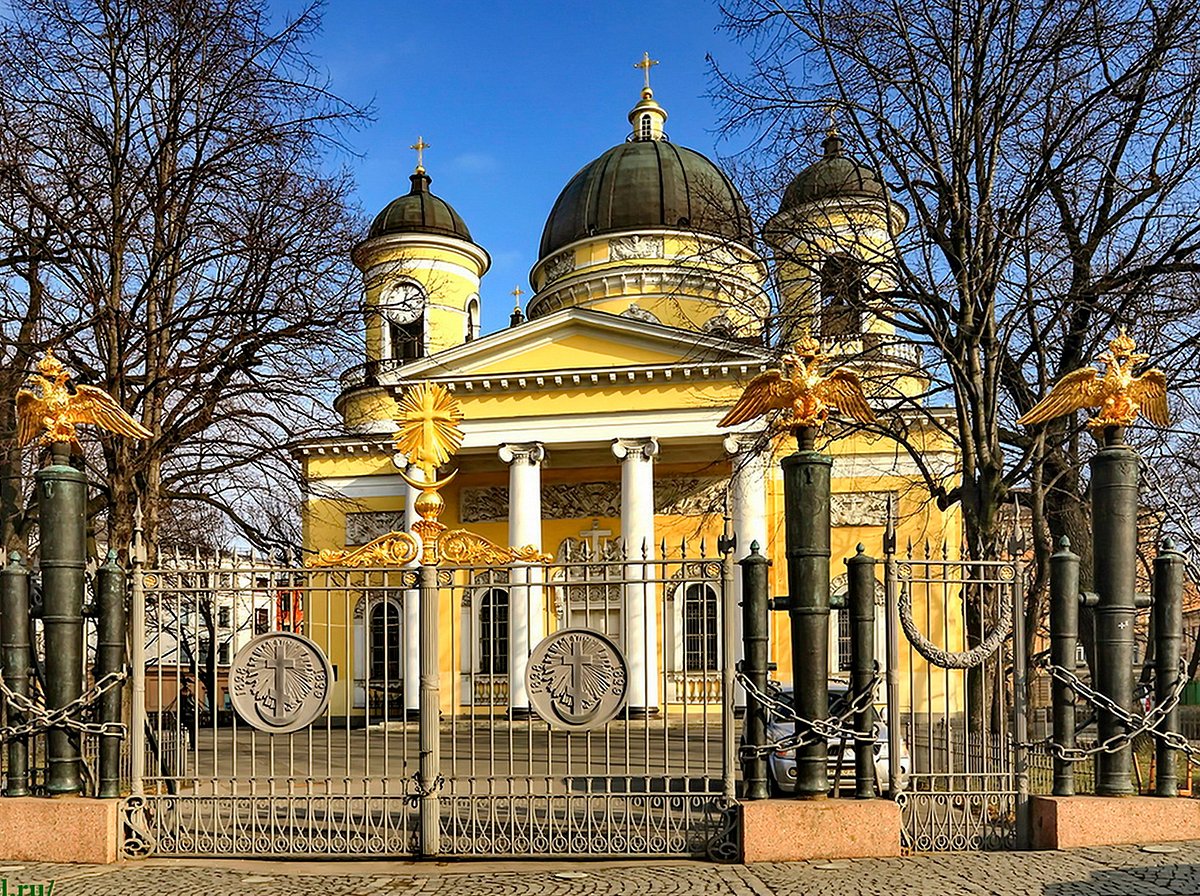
(755, 637)
(18, 666)
(110, 659)
(806, 527)
(62, 499)
(1064, 640)
(861, 607)
(1114, 549)
(1168, 638)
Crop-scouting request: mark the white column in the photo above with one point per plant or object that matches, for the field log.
(412, 608)
(748, 514)
(637, 534)
(526, 616)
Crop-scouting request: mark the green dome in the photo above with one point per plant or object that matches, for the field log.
(644, 184)
(833, 175)
(419, 211)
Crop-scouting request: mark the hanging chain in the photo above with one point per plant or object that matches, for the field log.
(39, 718)
(1135, 726)
(809, 731)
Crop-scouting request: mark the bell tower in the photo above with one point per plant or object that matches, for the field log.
(421, 275)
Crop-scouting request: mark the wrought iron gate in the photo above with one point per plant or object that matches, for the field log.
(657, 780)
(955, 698)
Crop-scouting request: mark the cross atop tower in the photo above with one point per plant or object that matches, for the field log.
(516, 294)
(420, 146)
(645, 65)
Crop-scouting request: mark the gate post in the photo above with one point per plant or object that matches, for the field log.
(1064, 640)
(891, 625)
(18, 666)
(137, 661)
(755, 636)
(62, 497)
(429, 730)
(1114, 548)
(1168, 637)
(861, 607)
(110, 660)
(806, 525)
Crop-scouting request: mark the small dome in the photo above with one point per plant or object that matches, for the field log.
(648, 183)
(836, 174)
(419, 211)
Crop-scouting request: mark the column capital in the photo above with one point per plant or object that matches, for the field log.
(752, 443)
(638, 449)
(532, 453)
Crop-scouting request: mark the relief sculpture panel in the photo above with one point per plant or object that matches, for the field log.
(681, 496)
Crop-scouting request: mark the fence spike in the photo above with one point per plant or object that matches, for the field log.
(703, 548)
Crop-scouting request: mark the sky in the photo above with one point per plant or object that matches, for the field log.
(513, 99)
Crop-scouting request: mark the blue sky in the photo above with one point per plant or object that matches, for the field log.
(513, 99)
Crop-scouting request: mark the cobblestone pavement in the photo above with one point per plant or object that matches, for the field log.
(1114, 871)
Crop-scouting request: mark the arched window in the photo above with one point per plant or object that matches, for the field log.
(472, 319)
(700, 629)
(493, 632)
(841, 296)
(647, 128)
(387, 661)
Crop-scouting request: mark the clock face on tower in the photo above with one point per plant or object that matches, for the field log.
(401, 302)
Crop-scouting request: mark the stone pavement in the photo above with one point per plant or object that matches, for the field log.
(1111, 871)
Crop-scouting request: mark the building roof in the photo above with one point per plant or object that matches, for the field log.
(419, 211)
(650, 184)
(834, 175)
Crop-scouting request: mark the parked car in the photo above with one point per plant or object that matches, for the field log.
(781, 765)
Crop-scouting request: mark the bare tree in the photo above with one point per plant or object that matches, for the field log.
(1048, 156)
(180, 232)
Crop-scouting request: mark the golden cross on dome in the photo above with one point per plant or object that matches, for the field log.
(645, 65)
(420, 146)
(516, 294)
(831, 110)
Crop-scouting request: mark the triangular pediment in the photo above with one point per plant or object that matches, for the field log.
(581, 339)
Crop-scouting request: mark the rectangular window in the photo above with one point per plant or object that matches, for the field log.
(224, 614)
(262, 621)
(223, 653)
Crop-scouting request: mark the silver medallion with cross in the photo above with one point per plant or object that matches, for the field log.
(577, 679)
(279, 682)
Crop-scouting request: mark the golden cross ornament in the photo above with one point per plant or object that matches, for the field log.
(420, 146)
(645, 65)
(516, 294)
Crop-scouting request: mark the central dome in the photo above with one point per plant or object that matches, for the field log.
(647, 184)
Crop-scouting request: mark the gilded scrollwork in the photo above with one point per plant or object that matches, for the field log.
(466, 548)
(393, 549)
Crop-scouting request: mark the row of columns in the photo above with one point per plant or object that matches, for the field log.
(526, 607)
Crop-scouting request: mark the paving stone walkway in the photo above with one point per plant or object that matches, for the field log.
(1114, 871)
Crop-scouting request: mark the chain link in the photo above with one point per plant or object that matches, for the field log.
(39, 718)
(1135, 726)
(808, 731)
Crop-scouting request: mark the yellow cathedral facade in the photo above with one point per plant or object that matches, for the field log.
(590, 422)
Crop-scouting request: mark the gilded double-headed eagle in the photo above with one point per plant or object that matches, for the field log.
(799, 386)
(54, 410)
(1119, 395)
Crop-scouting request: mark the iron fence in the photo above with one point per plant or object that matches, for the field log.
(656, 780)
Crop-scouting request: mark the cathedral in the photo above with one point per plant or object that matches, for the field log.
(591, 420)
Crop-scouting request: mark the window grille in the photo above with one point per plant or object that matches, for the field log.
(493, 632)
(699, 628)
